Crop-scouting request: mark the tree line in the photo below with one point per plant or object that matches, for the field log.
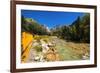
(31, 26)
(78, 31)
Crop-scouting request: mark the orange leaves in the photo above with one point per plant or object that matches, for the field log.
(26, 45)
(26, 39)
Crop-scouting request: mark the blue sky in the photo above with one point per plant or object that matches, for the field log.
(51, 18)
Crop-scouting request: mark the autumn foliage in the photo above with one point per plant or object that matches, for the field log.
(26, 44)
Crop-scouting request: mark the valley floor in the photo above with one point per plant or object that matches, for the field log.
(51, 48)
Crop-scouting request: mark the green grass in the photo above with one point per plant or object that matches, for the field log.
(38, 48)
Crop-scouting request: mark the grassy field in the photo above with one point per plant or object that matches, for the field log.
(51, 48)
